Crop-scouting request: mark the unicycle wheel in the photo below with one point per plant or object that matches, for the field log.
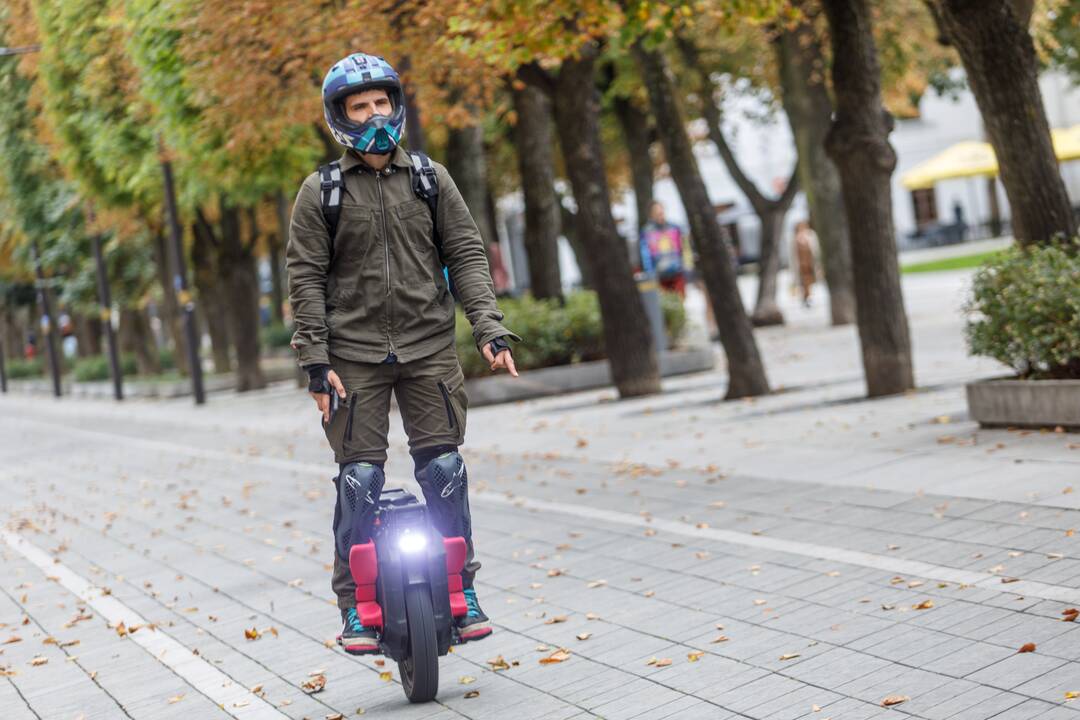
(420, 671)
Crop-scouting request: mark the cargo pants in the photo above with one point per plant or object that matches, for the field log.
(431, 398)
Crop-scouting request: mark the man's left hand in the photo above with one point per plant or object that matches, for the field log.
(504, 359)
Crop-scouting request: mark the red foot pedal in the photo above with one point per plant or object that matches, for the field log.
(455, 563)
(364, 566)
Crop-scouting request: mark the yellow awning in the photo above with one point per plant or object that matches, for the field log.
(973, 159)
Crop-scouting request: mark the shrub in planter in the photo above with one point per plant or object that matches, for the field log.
(554, 334)
(1025, 311)
(277, 335)
(96, 367)
(22, 369)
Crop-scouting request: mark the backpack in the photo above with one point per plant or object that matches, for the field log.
(425, 185)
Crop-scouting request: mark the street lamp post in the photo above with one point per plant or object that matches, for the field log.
(183, 295)
(48, 324)
(106, 318)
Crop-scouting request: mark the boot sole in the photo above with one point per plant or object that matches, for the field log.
(359, 649)
(471, 634)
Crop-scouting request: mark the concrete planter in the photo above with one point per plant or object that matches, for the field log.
(558, 380)
(1025, 403)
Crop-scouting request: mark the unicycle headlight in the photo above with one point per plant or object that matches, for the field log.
(411, 542)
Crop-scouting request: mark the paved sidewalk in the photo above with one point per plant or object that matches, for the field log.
(805, 555)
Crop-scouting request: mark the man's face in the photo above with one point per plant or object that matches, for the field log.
(359, 107)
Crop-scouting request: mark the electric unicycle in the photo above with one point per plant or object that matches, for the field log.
(408, 587)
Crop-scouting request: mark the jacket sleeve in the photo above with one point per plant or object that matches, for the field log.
(466, 258)
(307, 261)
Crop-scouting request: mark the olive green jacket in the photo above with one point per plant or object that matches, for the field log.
(382, 290)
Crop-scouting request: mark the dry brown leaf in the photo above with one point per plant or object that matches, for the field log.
(760, 601)
(555, 619)
(584, 636)
(1071, 694)
(560, 655)
(592, 616)
(380, 662)
(789, 656)
(1070, 615)
(12, 639)
(894, 700)
(719, 639)
(471, 694)
(554, 572)
(924, 605)
(121, 630)
(315, 685)
(39, 660)
(466, 680)
(252, 634)
(597, 583)
(498, 663)
(176, 698)
(335, 716)
(695, 655)
(1026, 648)
(386, 676)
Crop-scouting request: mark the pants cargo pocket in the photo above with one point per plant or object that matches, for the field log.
(452, 389)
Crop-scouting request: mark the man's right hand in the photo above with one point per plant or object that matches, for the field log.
(323, 382)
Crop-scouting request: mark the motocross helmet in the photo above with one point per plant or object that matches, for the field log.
(357, 72)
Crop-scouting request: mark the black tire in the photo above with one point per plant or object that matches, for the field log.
(420, 671)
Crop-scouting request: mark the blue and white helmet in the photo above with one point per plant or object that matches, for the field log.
(352, 74)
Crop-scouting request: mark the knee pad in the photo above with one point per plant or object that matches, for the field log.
(359, 486)
(444, 482)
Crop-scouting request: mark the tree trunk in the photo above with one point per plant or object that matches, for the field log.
(414, 128)
(1002, 69)
(637, 135)
(465, 162)
(627, 338)
(170, 308)
(211, 299)
(745, 369)
(136, 338)
(858, 143)
(766, 310)
(533, 141)
(88, 334)
(240, 290)
(809, 110)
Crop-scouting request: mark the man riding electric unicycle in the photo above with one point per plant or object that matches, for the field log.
(377, 241)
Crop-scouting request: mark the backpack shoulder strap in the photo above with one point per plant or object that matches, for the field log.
(425, 184)
(331, 187)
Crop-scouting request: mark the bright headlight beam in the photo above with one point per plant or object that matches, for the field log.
(412, 542)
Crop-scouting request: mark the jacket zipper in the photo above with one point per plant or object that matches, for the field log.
(450, 415)
(349, 420)
(386, 256)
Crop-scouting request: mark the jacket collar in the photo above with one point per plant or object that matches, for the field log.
(350, 159)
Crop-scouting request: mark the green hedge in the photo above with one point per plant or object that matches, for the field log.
(21, 369)
(554, 334)
(96, 367)
(277, 335)
(1025, 310)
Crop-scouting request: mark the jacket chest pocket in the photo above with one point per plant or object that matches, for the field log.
(355, 238)
(416, 244)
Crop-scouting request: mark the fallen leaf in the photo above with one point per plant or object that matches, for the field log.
(315, 685)
(498, 663)
(1070, 615)
(695, 655)
(560, 655)
(252, 634)
(924, 605)
(1026, 648)
(380, 662)
(597, 583)
(659, 662)
(592, 616)
(12, 639)
(471, 694)
(39, 660)
(584, 636)
(335, 716)
(719, 639)
(1071, 694)
(555, 619)
(1010, 579)
(466, 680)
(894, 700)
(789, 656)
(176, 698)
(386, 676)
